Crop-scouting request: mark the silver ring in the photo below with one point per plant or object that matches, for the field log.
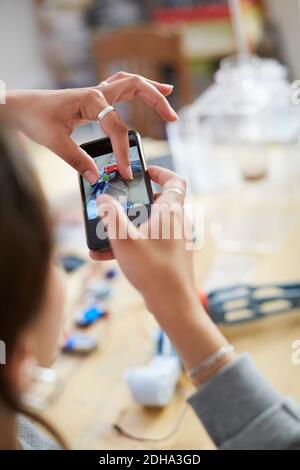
(104, 112)
(174, 190)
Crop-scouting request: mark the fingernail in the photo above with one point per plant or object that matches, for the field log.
(168, 84)
(174, 114)
(90, 177)
(129, 173)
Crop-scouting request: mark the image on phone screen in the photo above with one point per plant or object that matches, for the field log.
(129, 193)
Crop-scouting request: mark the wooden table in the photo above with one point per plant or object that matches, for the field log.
(95, 394)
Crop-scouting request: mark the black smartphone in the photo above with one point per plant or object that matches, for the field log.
(134, 195)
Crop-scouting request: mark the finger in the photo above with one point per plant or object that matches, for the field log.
(156, 196)
(121, 232)
(71, 153)
(161, 175)
(116, 129)
(112, 125)
(101, 255)
(128, 88)
(167, 179)
(165, 88)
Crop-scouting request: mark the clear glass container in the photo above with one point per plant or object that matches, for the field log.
(239, 141)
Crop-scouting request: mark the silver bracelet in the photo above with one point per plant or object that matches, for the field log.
(210, 360)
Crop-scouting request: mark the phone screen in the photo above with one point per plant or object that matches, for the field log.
(131, 194)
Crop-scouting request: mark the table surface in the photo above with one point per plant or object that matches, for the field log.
(95, 395)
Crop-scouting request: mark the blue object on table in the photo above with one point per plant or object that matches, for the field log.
(111, 273)
(243, 303)
(164, 346)
(71, 263)
(79, 344)
(89, 316)
(100, 290)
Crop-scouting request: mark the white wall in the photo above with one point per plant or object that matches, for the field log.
(21, 63)
(285, 14)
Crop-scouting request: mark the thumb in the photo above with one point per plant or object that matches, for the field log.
(121, 232)
(75, 156)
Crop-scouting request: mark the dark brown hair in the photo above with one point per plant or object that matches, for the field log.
(25, 253)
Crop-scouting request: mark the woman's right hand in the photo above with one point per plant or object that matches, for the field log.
(156, 265)
(161, 269)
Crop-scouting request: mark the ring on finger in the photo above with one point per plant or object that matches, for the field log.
(178, 191)
(104, 112)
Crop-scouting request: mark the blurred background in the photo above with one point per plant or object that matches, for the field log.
(232, 64)
(70, 43)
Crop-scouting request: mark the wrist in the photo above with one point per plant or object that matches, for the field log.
(173, 297)
(211, 371)
(176, 304)
(192, 332)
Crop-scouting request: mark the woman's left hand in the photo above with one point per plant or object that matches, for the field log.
(49, 117)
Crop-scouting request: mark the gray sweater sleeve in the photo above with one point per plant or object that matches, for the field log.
(31, 438)
(241, 410)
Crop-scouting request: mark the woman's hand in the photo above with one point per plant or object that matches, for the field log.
(160, 267)
(159, 264)
(49, 117)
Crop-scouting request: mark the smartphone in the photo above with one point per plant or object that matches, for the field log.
(135, 195)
